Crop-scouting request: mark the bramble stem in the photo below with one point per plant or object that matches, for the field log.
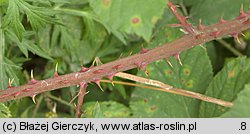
(81, 94)
(139, 60)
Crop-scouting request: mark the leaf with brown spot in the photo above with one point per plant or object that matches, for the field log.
(226, 85)
(129, 16)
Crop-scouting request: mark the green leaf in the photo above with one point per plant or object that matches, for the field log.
(26, 45)
(9, 71)
(12, 19)
(4, 111)
(2, 52)
(106, 109)
(241, 107)
(129, 16)
(226, 85)
(97, 113)
(119, 88)
(12, 71)
(12, 37)
(35, 49)
(37, 16)
(27, 112)
(194, 75)
(212, 14)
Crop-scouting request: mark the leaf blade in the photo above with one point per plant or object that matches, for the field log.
(139, 20)
(189, 76)
(226, 85)
(240, 108)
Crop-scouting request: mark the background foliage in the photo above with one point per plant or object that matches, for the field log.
(37, 34)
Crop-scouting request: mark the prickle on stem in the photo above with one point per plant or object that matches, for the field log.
(83, 85)
(142, 66)
(110, 77)
(97, 82)
(117, 66)
(84, 69)
(200, 26)
(56, 70)
(215, 34)
(10, 83)
(236, 37)
(169, 63)
(246, 22)
(4, 95)
(222, 20)
(16, 94)
(27, 89)
(177, 57)
(32, 81)
(242, 14)
(143, 50)
(34, 98)
(171, 6)
(99, 71)
(188, 28)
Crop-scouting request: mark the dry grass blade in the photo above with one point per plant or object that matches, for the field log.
(167, 88)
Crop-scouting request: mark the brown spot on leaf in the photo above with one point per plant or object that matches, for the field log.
(153, 108)
(135, 20)
(106, 2)
(186, 71)
(230, 74)
(189, 84)
(168, 72)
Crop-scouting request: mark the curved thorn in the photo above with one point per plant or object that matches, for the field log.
(243, 34)
(222, 20)
(143, 50)
(84, 69)
(97, 82)
(169, 63)
(56, 70)
(146, 73)
(238, 40)
(242, 14)
(34, 99)
(200, 26)
(177, 57)
(31, 74)
(32, 81)
(10, 83)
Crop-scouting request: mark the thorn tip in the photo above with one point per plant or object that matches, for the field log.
(56, 70)
(10, 83)
(222, 20)
(84, 69)
(177, 57)
(32, 81)
(97, 82)
(34, 98)
(200, 26)
(143, 50)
